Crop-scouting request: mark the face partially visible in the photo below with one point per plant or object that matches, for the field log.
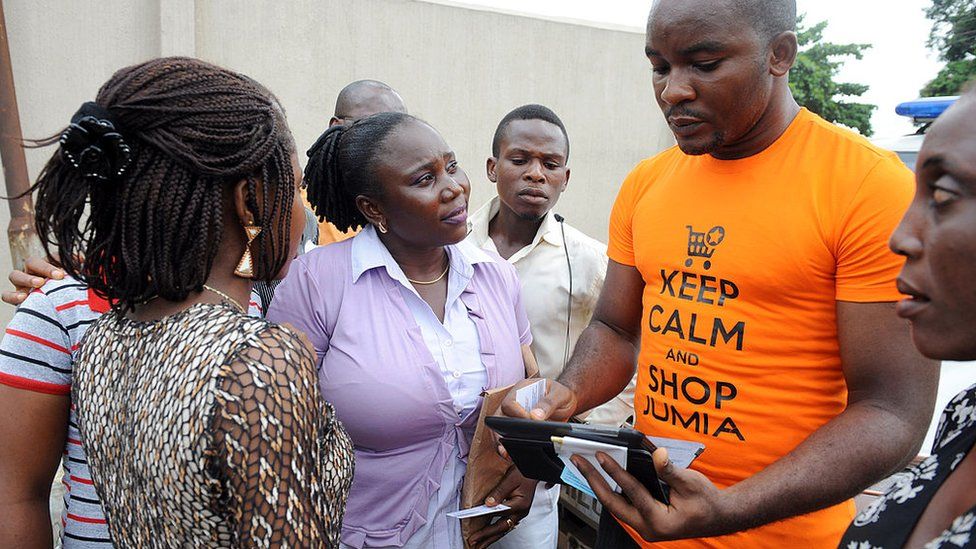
(530, 172)
(424, 197)
(369, 102)
(937, 236)
(710, 75)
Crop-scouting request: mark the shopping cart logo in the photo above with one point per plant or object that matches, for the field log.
(702, 245)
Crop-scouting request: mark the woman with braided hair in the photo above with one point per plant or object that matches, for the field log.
(410, 324)
(203, 426)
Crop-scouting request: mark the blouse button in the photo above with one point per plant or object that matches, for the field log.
(456, 374)
(448, 343)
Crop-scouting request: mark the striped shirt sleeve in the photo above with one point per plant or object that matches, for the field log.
(36, 350)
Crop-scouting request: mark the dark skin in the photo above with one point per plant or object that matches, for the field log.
(889, 400)
(362, 99)
(530, 173)
(422, 207)
(937, 236)
(36, 272)
(34, 425)
(703, 67)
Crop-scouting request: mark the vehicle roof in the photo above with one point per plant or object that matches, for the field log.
(905, 143)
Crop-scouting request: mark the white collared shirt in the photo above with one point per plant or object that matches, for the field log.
(544, 274)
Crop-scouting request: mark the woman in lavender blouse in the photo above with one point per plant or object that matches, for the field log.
(410, 324)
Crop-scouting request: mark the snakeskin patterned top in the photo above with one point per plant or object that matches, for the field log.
(207, 428)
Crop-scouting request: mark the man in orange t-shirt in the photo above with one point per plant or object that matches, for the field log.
(750, 268)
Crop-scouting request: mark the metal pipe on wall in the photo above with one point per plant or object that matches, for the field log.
(20, 231)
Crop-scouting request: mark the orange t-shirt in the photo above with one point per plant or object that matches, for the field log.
(743, 262)
(328, 233)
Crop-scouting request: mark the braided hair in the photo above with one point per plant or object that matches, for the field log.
(193, 130)
(340, 167)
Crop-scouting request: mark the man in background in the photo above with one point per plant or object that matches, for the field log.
(560, 268)
(357, 100)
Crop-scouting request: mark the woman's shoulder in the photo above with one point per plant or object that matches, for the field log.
(281, 341)
(328, 257)
(270, 353)
(487, 262)
(322, 269)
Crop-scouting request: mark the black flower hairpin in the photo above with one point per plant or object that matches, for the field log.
(93, 145)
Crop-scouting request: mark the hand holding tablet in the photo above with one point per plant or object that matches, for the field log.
(531, 446)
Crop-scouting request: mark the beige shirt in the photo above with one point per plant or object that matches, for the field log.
(544, 274)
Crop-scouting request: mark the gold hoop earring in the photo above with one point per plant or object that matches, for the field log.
(245, 268)
(381, 228)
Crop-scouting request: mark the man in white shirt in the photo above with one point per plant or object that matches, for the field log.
(561, 269)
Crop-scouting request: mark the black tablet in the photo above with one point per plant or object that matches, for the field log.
(529, 443)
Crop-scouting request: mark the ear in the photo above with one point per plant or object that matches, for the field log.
(371, 210)
(565, 183)
(244, 214)
(782, 53)
(335, 121)
(490, 167)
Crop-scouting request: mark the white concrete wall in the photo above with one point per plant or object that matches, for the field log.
(460, 69)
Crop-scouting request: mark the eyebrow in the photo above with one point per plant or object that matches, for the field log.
(428, 165)
(544, 153)
(960, 172)
(707, 46)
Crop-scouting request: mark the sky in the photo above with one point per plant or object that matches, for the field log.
(896, 67)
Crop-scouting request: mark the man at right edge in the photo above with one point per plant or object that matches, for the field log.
(750, 284)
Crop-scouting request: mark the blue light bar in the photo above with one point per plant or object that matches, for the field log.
(927, 108)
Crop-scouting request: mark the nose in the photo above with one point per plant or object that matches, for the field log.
(907, 238)
(454, 186)
(677, 87)
(534, 172)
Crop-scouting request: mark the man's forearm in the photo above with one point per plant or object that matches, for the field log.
(854, 450)
(26, 524)
(602, 365)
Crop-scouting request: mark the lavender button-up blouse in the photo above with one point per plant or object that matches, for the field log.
(387, 389)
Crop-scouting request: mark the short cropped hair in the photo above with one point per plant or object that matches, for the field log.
(768, 17)
(527, 112)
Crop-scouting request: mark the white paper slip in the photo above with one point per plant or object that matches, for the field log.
(566, 447)
(478, 511)
(530, 395)
(680, 452)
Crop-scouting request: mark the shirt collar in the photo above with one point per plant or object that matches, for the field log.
(369, 252)
(549, 231)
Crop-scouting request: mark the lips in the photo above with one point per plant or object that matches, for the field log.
(458, 216)
(533, 196)
(914, 303)
(684, 125)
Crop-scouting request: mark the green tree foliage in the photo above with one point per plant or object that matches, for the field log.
(812, 79)
(953, 35)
